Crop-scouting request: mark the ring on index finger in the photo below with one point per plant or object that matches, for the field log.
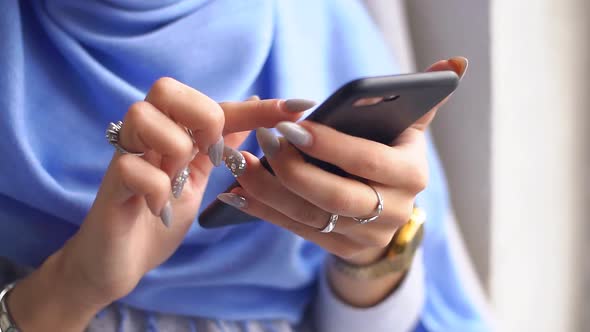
(112, 136)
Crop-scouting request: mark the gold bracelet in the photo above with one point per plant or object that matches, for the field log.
(399, 255)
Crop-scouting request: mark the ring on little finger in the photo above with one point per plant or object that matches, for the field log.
(331, 224)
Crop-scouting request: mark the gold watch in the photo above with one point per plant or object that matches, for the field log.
(399, 255)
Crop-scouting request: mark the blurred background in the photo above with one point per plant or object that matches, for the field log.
(513, 140)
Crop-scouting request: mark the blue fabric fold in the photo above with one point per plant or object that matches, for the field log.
(69, 67)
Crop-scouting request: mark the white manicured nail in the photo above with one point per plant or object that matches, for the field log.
(294, 133)
(166, 214)
(234, 200)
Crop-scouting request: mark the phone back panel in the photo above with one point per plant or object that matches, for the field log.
(375, 108)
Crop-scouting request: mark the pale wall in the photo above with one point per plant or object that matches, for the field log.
(514, 144)
(540, 108)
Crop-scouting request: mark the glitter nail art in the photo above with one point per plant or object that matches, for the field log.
(234, 161)
(179, 181)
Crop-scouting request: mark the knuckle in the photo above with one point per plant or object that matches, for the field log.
(125, 165)
(136, 113)
(370, 163)
(162, 87)
(214, 116)
(402, 215)
(417, 179)
(339, 202)
(258, 106)
(212, 119)
(183, 146)
(307, 216)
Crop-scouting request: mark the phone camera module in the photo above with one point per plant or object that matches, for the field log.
(390, 98)
(371, 101)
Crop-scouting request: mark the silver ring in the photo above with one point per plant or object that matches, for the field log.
(112, 135)
(377, 212)
(331, 224)
(190, 133)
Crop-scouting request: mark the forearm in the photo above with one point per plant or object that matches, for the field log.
(48, 300)
(363, 293)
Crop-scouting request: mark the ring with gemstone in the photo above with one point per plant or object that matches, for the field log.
(112, 136)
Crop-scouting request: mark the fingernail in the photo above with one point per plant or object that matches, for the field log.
(166, 214)
(179, 181)
(234, 200)
(253, 98)
(298, 105)
(216, 152)
(268, 142)
(460, 65)
(294, 133)
(235, 161)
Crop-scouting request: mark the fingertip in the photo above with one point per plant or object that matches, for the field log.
(234, 161)
(460, 65)
(239, 191)
(457, 64)
(166, 215)
(298, 105)
(295, 133)
(233, 199)
(215, 152)
(249, 156)
(267, 141)
(438, 66)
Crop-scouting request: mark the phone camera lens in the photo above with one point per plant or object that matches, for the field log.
(390, 98)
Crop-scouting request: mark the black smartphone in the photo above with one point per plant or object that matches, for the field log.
(375, 108)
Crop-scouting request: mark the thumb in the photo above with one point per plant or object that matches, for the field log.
(458, 65)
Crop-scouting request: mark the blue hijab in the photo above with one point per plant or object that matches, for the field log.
(68, 67)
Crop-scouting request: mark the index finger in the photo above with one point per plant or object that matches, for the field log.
(249, 115)
(189, 107)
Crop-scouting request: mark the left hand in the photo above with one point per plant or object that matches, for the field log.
(301, 197)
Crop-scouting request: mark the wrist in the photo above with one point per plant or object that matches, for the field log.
(49, 299)
(369, 278)
(362, 293)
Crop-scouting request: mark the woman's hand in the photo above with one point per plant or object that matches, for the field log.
(123, 236)
(302, 197)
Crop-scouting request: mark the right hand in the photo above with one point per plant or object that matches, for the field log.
(122, 237)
